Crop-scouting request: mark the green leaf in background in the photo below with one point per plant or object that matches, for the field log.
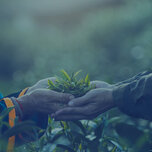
(128, 132)
(5, 112)
(21, 127)
(114, 149)
(112, 40)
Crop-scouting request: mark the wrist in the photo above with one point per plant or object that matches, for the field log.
(18, 108)
(27, 107)
(111, 98)
(118, 95)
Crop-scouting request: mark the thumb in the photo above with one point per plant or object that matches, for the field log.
(79, 101)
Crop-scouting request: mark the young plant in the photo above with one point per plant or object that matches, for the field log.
(75, 136)
(81, 136)
(71, 84)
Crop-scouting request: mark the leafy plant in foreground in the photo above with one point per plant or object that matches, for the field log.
(78, 136)
(75, 136)
(70, 84)
(21, 127)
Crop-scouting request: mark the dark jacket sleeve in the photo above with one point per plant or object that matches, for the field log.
(134, 96)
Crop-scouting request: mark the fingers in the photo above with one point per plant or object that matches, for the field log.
(78, 113)
(70, 113)
(64, 97)
(44, 82)
(70, 117)
(41, 84)
(53, 79)
(49, 108)
(54, 96)
(100, 84)
(77, 102)
(86, 99)
(51, 96)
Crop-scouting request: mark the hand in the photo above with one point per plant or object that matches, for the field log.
(41, 84)
(43, 101)
(89, 106)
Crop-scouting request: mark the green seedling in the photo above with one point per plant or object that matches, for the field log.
(72, 84)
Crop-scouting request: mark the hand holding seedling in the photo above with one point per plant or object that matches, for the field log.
(88, 106)
(43, 101)
(41, 84)
(91, 98)
(39, 99)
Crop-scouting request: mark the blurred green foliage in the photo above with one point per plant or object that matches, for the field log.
(111, 41)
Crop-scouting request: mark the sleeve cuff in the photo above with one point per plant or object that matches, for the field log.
(117, 95)
(122, 101)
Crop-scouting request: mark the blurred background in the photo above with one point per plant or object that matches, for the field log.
(109, 39)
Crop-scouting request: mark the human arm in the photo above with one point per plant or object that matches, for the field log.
(36, 104)
(132, 96)
(94, 103)
(39, 118)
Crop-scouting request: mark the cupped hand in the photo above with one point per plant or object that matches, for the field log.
(44, 101)
(94, 103)
(41, 84)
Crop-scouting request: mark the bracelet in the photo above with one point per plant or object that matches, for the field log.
(19, 104)
(18, 107)
(23, 92)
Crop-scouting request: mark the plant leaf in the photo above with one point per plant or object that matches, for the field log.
(77, 73)
(65, 148)
(87, 80)
(20, 128)
(51, 84)
(114, 149)
(5, 112)
(65, 74)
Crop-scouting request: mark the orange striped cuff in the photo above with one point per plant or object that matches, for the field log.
(23, 92)
(12, 116)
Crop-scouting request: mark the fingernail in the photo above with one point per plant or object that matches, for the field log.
(70, 103)
(71, 97)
